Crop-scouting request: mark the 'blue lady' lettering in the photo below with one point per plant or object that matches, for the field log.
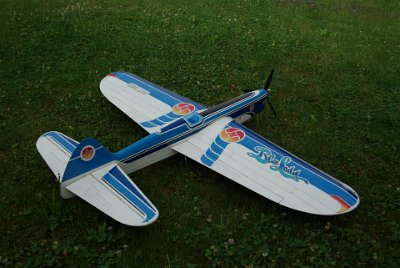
(265, 156)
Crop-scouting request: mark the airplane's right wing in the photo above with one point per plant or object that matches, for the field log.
(238, 153)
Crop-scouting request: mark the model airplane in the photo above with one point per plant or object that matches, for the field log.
(212, 136)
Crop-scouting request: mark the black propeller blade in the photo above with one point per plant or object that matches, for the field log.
(269, 80)
(270, 106)
(266, 87)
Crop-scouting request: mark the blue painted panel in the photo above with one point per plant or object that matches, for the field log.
(128, 195)
(217, 149)
(77, 166)
(124, 180)
(164, 95)
(211, 155)
(62, 140)
(75, 143)
(291, 166)
(206, 161)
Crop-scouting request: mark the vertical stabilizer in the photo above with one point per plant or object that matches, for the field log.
(88, 155)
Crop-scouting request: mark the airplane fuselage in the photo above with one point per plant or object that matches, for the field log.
(156, 146)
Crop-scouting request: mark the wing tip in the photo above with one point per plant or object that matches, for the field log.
(346, 208)
(142, 223)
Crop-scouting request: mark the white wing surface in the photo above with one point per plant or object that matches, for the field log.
(236, 152)
(146, 103)
(110, 190)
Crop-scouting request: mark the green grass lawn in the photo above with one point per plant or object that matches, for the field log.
(336, 92)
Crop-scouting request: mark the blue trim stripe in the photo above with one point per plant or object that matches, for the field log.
(75, 143)
(124, 180)
(218, 141)
(153, 90)
(210, 156)
(206, 161)
(148, 124)
(165, 119)
(314, 176)
(176, 131)
(217, 149)
(233, 109)
(150, 144)
(160, 93)
(169, 117)
(128, 195)
(160, 121)
(68, 144)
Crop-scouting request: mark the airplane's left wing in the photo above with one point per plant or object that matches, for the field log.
(148, 104)
(238, 153)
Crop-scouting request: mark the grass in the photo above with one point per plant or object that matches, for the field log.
(335, 90)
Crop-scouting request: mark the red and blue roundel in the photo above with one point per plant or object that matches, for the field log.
(87, 153)
(183, 108)
(232, 134)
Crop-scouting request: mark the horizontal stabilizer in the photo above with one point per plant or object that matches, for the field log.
(110, 190)
(56, 149)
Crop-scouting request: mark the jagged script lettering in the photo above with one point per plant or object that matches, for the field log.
(266, 156)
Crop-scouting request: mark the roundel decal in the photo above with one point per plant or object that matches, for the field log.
(251, 107)
(87, 153)
(183, 108)
(232, 134)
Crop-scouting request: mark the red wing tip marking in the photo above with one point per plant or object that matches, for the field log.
(344, 205)
(111, 74)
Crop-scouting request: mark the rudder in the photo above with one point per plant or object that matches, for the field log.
(88, 155)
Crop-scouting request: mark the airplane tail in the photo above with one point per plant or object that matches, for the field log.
(90, 171)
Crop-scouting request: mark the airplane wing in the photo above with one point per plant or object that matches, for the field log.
(148, 104)
(238, 153)
(110, 190)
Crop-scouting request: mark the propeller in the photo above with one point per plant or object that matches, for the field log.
(272, 107)
(266, 87)
(269, 80)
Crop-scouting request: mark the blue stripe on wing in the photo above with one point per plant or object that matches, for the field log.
(216, 148)
(168, 97)
(64, 141)
(291, 166)
(160, 121)
(121, 177)
(130, 194)
(73, 142)
(213, 153)
(156, 91)
(147, 124)
(206, 161)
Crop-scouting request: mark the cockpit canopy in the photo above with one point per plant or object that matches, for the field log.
(225, 104)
